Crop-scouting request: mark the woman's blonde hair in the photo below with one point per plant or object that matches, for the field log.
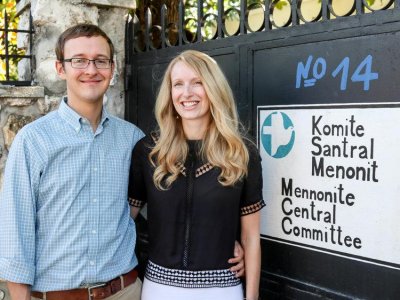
(222, 147)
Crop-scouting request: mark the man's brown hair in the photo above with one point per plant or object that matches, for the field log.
(87, 30)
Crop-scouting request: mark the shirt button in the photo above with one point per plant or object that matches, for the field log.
(94, 200)
(95, 169)
(91, 263)
(94, 231)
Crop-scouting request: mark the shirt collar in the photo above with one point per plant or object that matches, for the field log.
(105, 116)
(74, 119)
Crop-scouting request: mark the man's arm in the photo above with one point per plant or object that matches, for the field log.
(18, 218)
(238, 260)
(19, 291)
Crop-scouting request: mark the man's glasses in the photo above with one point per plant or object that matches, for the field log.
(83, 63)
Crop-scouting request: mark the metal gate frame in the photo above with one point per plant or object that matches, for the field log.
(144, 70)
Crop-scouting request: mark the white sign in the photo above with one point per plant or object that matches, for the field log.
(332, 179)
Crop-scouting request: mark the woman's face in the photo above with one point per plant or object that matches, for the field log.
(189, 96)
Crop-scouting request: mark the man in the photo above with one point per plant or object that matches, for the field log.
(65, 226)
(65, 219)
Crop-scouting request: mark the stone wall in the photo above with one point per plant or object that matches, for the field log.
(18, 107)
(51, 18)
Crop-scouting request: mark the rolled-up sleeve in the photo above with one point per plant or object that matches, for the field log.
(18, 211)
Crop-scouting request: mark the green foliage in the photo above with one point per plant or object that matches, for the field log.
(281, 4)
(210, 7)
(10, 7)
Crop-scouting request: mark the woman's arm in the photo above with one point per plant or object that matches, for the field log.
(136, 186)
(250, 239)
(134, 212)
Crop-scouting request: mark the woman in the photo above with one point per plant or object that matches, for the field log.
(202, 184)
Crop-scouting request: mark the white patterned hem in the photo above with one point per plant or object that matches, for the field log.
(191, 279)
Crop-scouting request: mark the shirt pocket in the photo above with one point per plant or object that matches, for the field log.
(116, 172)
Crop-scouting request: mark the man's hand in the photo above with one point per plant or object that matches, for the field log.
(19, 291)
(238, 260)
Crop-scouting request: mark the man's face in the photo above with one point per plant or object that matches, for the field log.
(85, 85)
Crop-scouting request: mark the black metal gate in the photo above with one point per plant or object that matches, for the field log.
(347, 60)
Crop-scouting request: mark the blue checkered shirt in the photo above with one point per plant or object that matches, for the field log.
(64, 218)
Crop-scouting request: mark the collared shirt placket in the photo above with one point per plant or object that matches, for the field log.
(95, 170)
